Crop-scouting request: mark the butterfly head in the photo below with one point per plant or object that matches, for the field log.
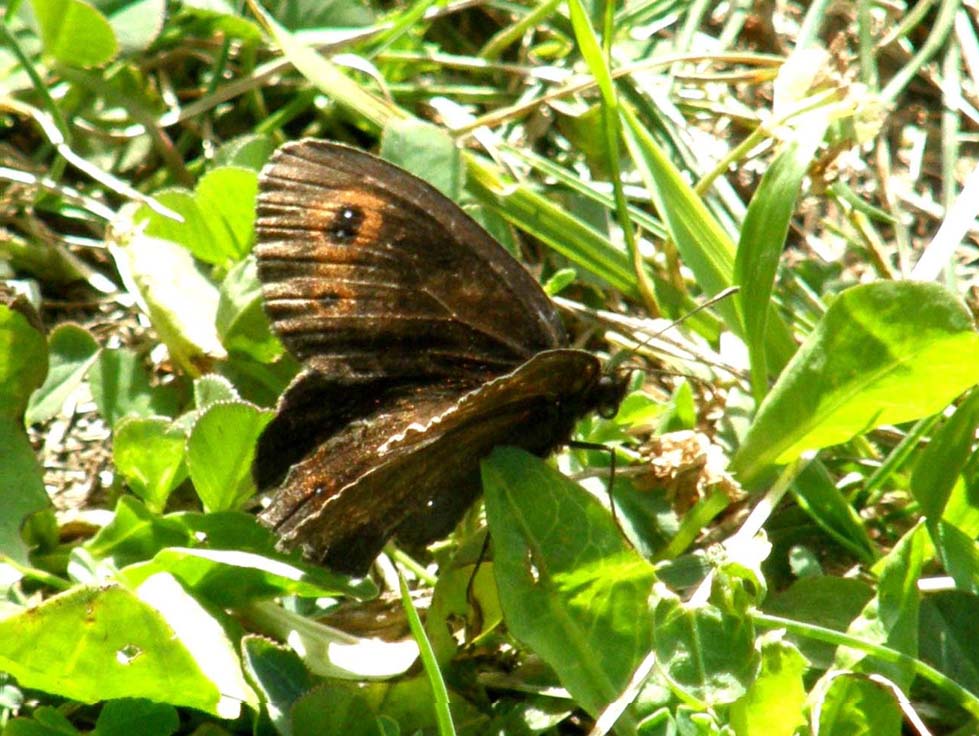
(610, 391)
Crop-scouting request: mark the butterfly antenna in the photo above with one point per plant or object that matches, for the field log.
(617, 360)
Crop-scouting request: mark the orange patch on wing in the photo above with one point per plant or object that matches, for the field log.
(324, 214)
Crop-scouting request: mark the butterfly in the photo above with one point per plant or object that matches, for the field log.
(424, 345)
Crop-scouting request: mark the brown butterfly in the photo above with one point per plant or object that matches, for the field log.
(425, 345)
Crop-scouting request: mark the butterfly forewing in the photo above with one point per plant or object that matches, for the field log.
(367, 271)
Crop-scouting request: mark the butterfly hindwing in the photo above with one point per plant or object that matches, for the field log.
(412, 467)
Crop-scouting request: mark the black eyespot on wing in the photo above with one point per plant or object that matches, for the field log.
(346, 224)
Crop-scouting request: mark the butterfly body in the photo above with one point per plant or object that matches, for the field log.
(425, 344)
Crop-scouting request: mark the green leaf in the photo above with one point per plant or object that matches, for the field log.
(570, 586)
(21, 486)
(121, 387)
(227, 195)
(74, 33)
(23, 361)
(46, 721)
(180, 300)
(72, 351)
(762, 241)
(231, 578)
(124, 717)
(775, 701)
(553, 224)
(424, 148)
(149, 453)
(91, 644)
(815, 491)
(135, 534)
(331, 710)
(219, 216)
(827, 601)
(940, 463)
(706, 248)
(891, 617)
(136, 23)
(884, 353)
(213, 388)
(948, 636)
(241, 320)
(246, 152)
(708, 653)
(959, 554)
(220, 451)
(854, 705)
(23, 364)
(279, 675)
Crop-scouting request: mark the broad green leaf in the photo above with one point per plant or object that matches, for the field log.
(23, 364)
(118, 717)
(72, 351)
(121, 387)
(708, 653)
(247, 152)
(938, 466)
(149, 453)
(855, 705)
(91, 644)
(136, 23)
(226, 196)
(21, 487)
(279, 675)
(74, 33)
(45, 721)
(948, 636)
(220, 451)
(219, 216)
(569, 585)
(427, 150)
(891, 617)
(775, 701)
(240, 319)
(23, 361)
(959, 554)
(180, 301)
(883, 353)
(136, 534)
(236, 530)
(231, 578)
(827, 601)
(211, 389)
(331, 710)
